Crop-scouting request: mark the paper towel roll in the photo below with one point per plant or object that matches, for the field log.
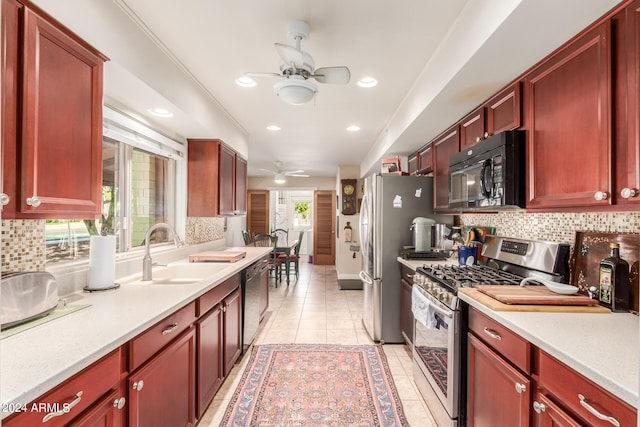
(102, 262)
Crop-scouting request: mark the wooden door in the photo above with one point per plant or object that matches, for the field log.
(232, 315)
(202, 177)
(258, 211)
(108, 412)
(324, 227)
(209, 350)
(162, 392)
(425, 159)
(472, 128)
(569, 140)
(443, 147)
(548, 414)
(504, 111)
(412, 162)
(226, 180)
(241, 185)
(497, 393)
(61, 146)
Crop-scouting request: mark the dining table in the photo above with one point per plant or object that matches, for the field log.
(286, 249)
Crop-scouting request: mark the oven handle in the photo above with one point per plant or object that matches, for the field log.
(437, 306)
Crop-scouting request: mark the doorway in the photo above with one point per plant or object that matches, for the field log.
(292, 210)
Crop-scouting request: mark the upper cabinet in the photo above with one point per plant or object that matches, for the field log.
(421, 162)
(51, 118)
(217, 179)
(443, 147)
(569, 143)
(472, 128)
(504, 111)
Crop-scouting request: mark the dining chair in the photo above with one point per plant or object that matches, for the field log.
(283, 236)
(246, 236)
(294, 257)
(275, 263)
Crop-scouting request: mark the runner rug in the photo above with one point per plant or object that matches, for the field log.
(316, 384)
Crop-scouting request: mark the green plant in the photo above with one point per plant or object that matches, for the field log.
(303, 209)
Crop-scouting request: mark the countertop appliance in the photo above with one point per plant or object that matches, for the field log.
(439, 353)
(251, 277)
(490, 174)
(389, 204)
(26, 295)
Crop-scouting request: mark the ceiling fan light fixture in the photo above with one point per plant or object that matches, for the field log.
(279, 178)
(295, 92)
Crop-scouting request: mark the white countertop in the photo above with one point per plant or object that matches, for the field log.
(602, 347)
(34, 361)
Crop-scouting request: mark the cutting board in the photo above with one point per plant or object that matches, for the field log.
(533, 295)
(217, 256)
(496, 305)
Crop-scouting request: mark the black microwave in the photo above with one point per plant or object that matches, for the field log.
(489, 175)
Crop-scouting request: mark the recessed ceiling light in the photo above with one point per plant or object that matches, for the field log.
(353, 128)
(160, 112)
(245, 81)
(273, 127)
(367, 82)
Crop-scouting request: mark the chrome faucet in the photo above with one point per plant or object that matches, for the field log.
(146, 261)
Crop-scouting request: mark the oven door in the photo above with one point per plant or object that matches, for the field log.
(436, 351)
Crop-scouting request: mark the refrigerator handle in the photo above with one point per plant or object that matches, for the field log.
(364, 216)
(366, 279)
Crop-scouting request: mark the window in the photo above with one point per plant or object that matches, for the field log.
(140, 169)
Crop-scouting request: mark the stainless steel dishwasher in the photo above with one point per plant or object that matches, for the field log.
(251, 301)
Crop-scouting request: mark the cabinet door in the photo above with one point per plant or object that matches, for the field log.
(406, 315)
(209, 350)
(497, 393)
(627, 113)
(412, 162)
(472, 128)
(241, 185)
(548, 414)
(202, 172)
(108, 412)
(61, 124)
(232, 314)
(226, 181)
(504, 111)
(443, 147)
(425, 160)
(162, 392)
(569, 99)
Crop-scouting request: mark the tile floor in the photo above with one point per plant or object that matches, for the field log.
(313, 310)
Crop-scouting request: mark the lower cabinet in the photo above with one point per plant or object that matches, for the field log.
(209, 356)
(109, 411)
(162, 391)
(232, 321)
(548, 414)
(406, 315)
(498, 394)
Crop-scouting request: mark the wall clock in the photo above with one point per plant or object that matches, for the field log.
(348, 196)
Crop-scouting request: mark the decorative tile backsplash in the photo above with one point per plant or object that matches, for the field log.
(554, 227)
(204, 229)
(23, 245)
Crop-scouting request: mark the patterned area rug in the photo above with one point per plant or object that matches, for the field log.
(435, 359)
(316, 384)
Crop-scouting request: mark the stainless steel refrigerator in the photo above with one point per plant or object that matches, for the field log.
(389, 204)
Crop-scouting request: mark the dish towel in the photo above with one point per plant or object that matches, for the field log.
(422, 309)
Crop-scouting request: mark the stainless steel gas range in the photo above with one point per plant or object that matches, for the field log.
(439, 351)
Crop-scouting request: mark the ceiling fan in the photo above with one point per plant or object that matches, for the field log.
(279, 174)
(297, 67)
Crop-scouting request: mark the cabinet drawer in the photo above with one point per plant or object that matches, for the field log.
(153, 339)
(566, 384)
(72, 397)
(510, 345)
(207, 301)
(406, 273)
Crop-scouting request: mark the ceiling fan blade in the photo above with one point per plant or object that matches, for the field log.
(293, 172)
(290, 55)
(268, 170)
(298, 175)
(261, 74)
(333, 75)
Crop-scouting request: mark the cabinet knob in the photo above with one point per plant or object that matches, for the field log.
(4, 199)
(538, 407)
(626, 193)
(478, 139)
(601, 195)
(119, 403)
(138, 385)
(33, 201)
(521, 388)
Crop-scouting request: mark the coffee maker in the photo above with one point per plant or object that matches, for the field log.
(429, 240)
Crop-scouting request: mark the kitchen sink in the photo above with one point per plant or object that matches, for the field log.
(183, 274)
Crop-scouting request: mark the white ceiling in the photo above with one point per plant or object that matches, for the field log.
(435, 61)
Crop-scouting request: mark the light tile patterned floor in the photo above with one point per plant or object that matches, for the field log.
(313, 310)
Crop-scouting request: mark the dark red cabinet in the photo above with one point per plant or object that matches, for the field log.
(504, 110)
(443, 147)
(209, 350)
(472, 128)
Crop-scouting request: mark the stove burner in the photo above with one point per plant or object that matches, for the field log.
(468, 276)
